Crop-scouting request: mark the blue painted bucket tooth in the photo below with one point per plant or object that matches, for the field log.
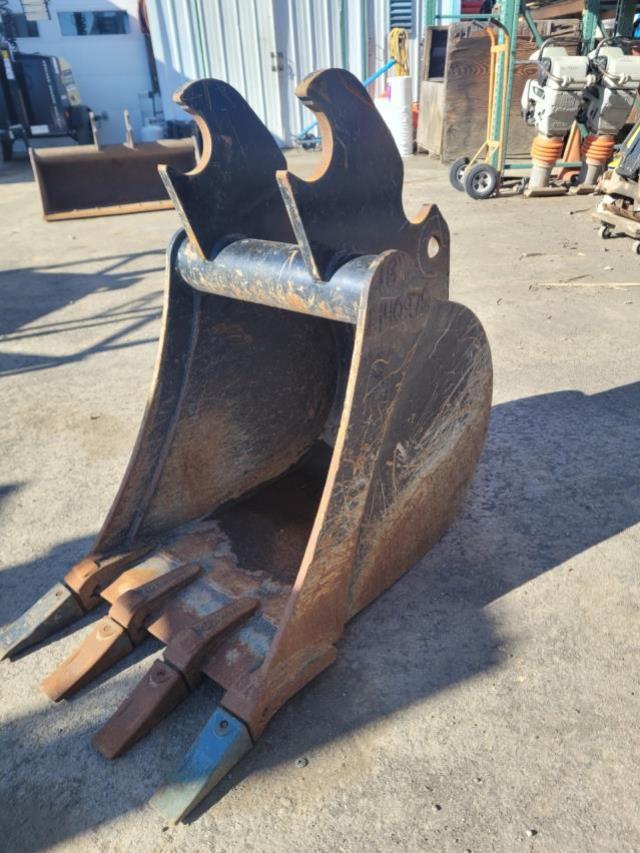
(219, 747)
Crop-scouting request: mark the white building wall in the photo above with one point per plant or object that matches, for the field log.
(110, 70)
(234, 40)
(228, 39)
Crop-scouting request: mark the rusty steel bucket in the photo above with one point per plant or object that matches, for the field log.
(317, 411)
(79, 181)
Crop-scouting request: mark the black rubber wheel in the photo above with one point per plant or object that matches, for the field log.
(480, 181)
(605, 232)
(456, 173)
(635, 247)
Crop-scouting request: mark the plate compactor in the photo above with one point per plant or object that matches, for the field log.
(316, 415)
(550, 103)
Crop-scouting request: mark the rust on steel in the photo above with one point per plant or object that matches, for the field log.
(170, 680)
(116, 634)
(81, 181)
(93, 573)
(317, 411)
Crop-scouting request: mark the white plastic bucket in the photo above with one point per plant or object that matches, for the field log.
(396, 113)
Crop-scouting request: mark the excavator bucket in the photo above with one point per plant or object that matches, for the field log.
(80, 181)
(316, 415)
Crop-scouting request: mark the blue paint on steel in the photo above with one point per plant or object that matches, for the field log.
(401, 14)
(219, 746)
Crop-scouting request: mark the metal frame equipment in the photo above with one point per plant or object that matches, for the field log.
(482, 178)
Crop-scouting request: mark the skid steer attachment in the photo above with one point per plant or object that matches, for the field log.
(81, 181)
(317, 412)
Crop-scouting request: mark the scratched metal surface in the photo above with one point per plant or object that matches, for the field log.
(241, 392)
(416, 410)
(275, 274)
(323, 462)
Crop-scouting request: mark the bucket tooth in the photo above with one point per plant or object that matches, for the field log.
(188, 650)
(170, 680)
(116, 634)
(221, 744)
(151, 700)
(56, 609)
(134, 607)
(66, 602)
(105, 646)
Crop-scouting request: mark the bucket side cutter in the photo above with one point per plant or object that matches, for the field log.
(316, 414)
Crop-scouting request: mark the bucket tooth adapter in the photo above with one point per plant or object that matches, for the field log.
(316, 415)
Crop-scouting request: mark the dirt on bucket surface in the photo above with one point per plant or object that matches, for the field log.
(488, 701)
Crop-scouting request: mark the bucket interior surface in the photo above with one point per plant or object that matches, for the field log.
(82, 177)
(269, 530)
(272, 381)
(256, 415)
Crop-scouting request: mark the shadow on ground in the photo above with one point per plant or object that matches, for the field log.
(16, 171)
(558, 475)
(55, 286)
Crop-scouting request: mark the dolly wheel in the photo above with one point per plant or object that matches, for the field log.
(605, 231)
(480, 181)
(635, 247)
(456, 173)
